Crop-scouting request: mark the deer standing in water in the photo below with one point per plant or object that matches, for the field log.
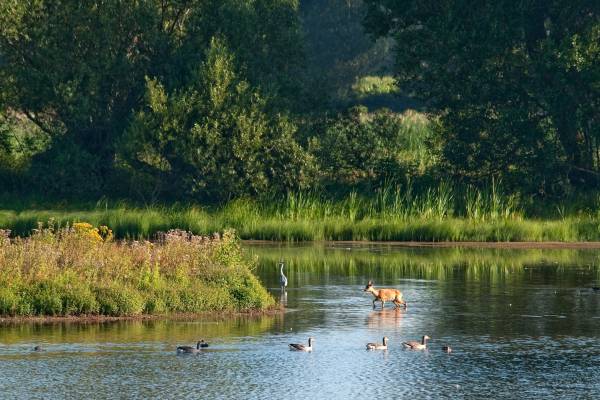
(384, 295)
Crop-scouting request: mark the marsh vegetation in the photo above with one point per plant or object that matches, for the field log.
(78, 270)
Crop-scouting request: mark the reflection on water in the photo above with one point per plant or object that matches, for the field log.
(385, 319)
(522, 324)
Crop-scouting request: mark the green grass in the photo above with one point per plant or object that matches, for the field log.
(393, 213)
(73, 271)
(373, 85)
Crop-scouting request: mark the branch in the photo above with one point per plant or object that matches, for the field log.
(182, 10)
(39, 123)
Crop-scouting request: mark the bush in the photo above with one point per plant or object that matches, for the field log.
(9, 301)
(119, 300)
(78, 300)
(46, 299)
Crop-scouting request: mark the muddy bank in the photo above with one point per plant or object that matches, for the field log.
(7, 320)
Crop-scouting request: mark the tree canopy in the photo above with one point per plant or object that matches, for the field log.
(209, 100)
(517, 84)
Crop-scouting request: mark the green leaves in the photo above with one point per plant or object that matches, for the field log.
(512, 83)
(214, 137)
(80, 71)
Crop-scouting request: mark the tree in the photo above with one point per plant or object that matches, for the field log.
(77, 68)
(361, 149)
(214, 139)
(516, 84)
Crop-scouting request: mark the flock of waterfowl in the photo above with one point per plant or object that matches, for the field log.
(380, 295)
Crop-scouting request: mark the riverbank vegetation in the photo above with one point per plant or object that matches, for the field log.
(397, 213)
(303, 120)
(79, 270)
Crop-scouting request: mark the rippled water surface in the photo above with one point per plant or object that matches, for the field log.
(521, 323)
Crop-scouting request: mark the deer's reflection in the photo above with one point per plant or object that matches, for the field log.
(386, 318)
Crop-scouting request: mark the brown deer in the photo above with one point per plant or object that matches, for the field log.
(382, 295)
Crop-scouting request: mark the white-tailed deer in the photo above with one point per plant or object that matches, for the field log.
(384, 295)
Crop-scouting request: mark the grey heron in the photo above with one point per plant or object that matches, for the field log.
(282, 279)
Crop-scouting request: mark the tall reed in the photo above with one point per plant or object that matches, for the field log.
(392, 212)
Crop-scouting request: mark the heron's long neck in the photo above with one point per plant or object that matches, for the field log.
(281, 268)
(310, 343)
(424, 340)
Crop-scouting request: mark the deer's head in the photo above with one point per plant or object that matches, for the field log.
(369, 287)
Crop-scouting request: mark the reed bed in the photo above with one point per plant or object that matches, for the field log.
(392, 213)
(80, 270)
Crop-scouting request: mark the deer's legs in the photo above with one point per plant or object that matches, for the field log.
(382, 304)
(374, 303)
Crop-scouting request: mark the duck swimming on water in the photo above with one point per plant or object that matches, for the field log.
(190, 349)
(302, 347)
(377, 346)
(413, 345)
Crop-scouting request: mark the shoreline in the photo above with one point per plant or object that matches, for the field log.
(445, 244)
(84, 319)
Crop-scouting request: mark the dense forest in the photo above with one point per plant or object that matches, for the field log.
(209, 101)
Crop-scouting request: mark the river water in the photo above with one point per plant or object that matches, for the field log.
(521, 323)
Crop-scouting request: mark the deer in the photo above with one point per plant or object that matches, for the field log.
(382, 295)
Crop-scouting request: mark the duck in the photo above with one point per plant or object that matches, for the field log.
(38, 348)
(190, 349)
(302, 347)
(377, 346)
(413, 345)
(447, 349)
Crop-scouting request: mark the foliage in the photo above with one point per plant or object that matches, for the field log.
(515, 84)
(366, 150)
(73, 271)
(393, 212)
(54, 71)
(221, 101)
(215, 140)
(374, 85)
(338, 49)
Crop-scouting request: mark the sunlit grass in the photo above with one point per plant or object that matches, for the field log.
(391, 213)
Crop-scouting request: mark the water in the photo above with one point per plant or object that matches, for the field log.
(522, 324)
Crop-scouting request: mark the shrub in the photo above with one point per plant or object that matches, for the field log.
(119, 300)
(9, 301)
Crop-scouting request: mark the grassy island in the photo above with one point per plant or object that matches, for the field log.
(80, 270)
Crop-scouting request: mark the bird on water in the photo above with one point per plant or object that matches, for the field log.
(282, 278)
(377, 346)
(302, 347)
(189, 349)
(413, 345)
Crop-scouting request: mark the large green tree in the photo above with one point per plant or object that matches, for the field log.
(78, 68)
(517, 84)
(213, 139)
